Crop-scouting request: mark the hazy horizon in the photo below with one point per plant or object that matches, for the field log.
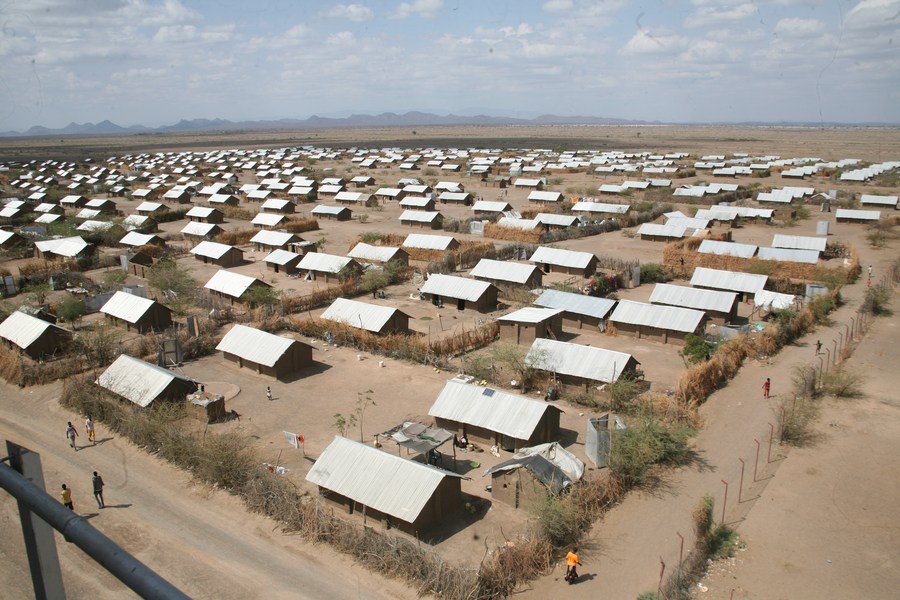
(156, 62)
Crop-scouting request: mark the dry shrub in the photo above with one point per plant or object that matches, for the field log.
(517, 562)
(237, 237)
(41, 267)
(21, 370)
(497, 232)
(235, 212)
(301, 225)
(795, 420)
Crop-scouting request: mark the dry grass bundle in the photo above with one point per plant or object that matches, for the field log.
(42, 267)
(319, 298)
(301, 225)
(497, 232)
(21, 370)
(236, 237)
(235, 212)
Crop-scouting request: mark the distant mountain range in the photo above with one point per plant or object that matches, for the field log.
(388, 119)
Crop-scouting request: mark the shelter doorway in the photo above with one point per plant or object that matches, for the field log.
(461, 304)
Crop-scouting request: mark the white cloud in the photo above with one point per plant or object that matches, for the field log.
(423, 8)
(558, 5)
(354, 12)
(709, 14)
(643, 42)
(799, 28)
(874, 14)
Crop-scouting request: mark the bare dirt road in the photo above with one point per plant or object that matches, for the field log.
(201, 540)
(623, 552)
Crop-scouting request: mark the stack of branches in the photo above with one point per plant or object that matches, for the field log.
(236, 237)
(525, 236)
(40, 267)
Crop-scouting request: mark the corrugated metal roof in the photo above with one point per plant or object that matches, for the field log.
(324, 209)
(93, 226)
(200, 229)
(695, 298)
(789, 255)
(273, 238)
(255, 345)
(69, 247)
(267, 219)
(878, 200)
(416, 202)
(450, 286)
(576, 303)
(201, 212)
(363, 251)
(48, 218)
(327, 263)
(419, 216)
(658, 316)
(210, 249)
(601, 207)
(127, 307)
(587, 362)
(657, 230)
(371, 317)
(530, 314)
(558, 220)
(137, 380)
(773, 300)
(280, 257)
(494, 410)
(380, 480)
(454, 196)
(516, 223)
(688, 222)
(857, 215)
(230, 283)
(563, 258)
(149, 206)
(542, 196)
(22, 329)
(490, 206)
(134, 238)
(799, 242)
(502, 270)
(428, 242)
(351, 197)
(727, 248)
(728, 280)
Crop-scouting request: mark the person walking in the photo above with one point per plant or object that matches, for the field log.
(97, 483)
(268, 393)
(71, 434)
(89, 429)
(767, 386)
(818, 347)
(572, 563)
(66, 495)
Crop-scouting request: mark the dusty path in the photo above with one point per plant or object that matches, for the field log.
(201, 540)
(622, 553)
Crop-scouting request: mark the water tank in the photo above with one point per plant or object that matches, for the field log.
(815, 289)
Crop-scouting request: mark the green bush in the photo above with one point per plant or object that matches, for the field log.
(646, 442)
(877, 300)
(842, 384)
(559, 521)
(821, 306)
(795, 420)
(71, 309)
(371, 237)
(695, 349)
(654, 273)
(622, 392)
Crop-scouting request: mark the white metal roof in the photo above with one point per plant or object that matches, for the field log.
(799, 242)
(878, 200)
(789, 255)
(363, 251)
(576, 303)
(268, 219)
(688, 222)
(324, 209)
(530, 314)
(149, 206)
(319, 261)
(230, 283)
(272, 238)
(857, 215)
(134, 238)
(371, 317)
(211, 249)
(419, 216)
(137, 380)
(728, 280)
(23, 329)
(490, 206)
(558, 220)
(255, 345)
(451, 286)
(425, 241)
(727, 248)
(695, 298)
(48, 218)
(383, 481)
(773, 300)
(128, 307)
(657, 230)
(494, 410)
(517, 223)
(280, 257)
(69, 247)
(502, 270)
(543, 196)
(673, 318)
(201, 212)
(588, 362)
(563, 258)
(415, 202)
(351, 197)
(92, 226)
(200, 229)
(601, 207)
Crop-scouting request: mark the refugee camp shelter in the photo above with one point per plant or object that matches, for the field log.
(144, 383)
(33, 336)
(136, 239)
(848, 215)
(579, 365)
(508, 275)
(495, 417)
(205, 214)
(666, 324)
(326, 267)
(579, 311)
(720, 307)
(282, 261)
(271, 240)
(10, 239)
(465, 293)
(132, 311)
(215, 253)
(265, 353)
(745, 284)
(375, 318)
(201, 230)
(557, 260)
(366, 253)
(335, 213)
(232, 286)
(63, 248)
(424, 241)
(527, 324)
(534, 473)
(422, 218)
(406, 494)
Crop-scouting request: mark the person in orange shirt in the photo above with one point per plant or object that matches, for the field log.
(571, 563)
(66, 497)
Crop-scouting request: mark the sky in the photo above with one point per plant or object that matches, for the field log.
(154, 62)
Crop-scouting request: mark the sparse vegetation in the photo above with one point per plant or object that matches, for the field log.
(647, 441)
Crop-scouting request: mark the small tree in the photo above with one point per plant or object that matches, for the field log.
(261, 295)
(374, 279)
(512, 357)
(363, 401)
(695, 349)
(37, 292)
(341, 423)
(71, 309)
(114, 278)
